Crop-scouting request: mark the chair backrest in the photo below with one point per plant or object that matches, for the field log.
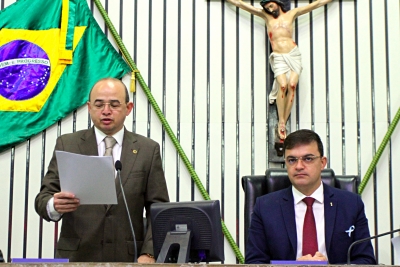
(276, 179)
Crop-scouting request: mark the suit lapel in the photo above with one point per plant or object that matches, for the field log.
(287, 208)
(130, 150)
(88, 143)
(330, 206)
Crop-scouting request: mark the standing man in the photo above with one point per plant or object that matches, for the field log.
(285, 226)
(100, 233)
(285, 60)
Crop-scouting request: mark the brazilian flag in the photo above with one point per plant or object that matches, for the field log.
(51, 54)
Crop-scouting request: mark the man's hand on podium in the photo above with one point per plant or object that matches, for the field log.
(317, 257)
(146, 258)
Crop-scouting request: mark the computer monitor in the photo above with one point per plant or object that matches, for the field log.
(187, 232)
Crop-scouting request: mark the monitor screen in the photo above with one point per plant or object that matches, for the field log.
(190, 228)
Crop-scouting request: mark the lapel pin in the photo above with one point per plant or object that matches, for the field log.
(331, 204)
(134, 151)
(351, 229)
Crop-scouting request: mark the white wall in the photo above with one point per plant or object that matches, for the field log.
(206, 65)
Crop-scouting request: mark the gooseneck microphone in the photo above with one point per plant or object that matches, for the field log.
(366, 239)
(118, 167)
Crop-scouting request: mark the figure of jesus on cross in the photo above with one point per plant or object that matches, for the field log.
(285, 60)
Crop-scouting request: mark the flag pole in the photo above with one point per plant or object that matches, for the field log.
(379, 152)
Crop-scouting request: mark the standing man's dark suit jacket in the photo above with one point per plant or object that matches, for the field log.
(98, 233)
(272, 232)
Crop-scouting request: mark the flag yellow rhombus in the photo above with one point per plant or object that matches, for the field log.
(39, 89)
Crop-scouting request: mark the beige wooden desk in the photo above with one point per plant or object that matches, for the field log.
(117, 264)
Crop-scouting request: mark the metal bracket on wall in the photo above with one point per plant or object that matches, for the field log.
(275, 145)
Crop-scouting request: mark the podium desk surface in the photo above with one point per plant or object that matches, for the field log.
(122, 264)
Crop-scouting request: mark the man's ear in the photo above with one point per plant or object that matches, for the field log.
(324, 161)
(129, 107)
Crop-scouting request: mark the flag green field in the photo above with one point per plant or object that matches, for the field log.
(51, 54)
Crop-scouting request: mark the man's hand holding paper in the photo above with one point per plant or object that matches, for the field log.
(65, 202)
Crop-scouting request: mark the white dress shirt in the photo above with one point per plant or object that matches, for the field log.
(101, 145)
(318, 209)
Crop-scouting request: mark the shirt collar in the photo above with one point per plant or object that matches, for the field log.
(318, 195)
(119, 136)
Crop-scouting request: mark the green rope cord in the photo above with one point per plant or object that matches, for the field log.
(378, 154)
(165, 124)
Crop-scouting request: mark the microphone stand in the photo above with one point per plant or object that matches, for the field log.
(118, 167)
(366, 239)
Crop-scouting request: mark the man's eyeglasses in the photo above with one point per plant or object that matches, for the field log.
(305, 159)
(113, 105)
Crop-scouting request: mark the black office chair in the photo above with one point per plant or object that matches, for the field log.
(276, 179)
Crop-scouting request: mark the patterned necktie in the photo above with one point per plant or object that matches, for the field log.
(310, 243)
(110, 142)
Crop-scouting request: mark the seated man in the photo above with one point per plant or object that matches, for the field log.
(309, 220)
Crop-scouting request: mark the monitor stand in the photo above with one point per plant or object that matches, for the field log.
(175, 243)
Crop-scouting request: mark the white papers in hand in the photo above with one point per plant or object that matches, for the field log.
(90, 178)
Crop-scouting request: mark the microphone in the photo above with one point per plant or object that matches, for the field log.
(366, 239)
(118, 167)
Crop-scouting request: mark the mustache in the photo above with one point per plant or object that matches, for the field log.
(275, 13)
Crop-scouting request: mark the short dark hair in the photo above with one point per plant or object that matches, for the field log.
(115, 80)
(285, 5)
(303, 137)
